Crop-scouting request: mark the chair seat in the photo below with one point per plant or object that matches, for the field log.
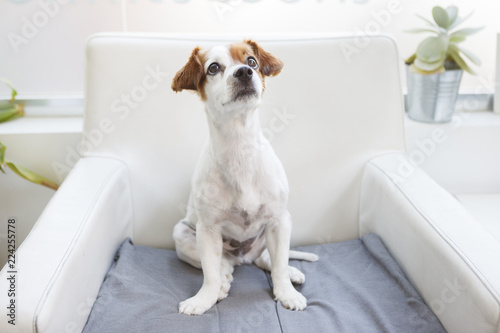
(355, 286)
(485, 208)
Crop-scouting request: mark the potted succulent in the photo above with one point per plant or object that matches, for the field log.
(434, 71)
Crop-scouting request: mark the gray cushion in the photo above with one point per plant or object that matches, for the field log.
(356, 286)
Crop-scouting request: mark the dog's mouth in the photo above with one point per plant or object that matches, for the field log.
(244, 93)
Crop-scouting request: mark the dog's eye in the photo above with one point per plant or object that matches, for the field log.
(252, 62)
(214, 68)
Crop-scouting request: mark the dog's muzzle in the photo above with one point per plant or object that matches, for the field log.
(244, 86)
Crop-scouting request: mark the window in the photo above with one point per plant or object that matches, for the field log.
(43, 41)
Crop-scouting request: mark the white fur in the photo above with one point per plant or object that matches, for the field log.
(239, 192)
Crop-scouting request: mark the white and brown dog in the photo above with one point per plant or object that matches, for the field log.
(237, 211)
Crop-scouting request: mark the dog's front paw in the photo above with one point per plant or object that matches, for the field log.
(195, 305)
(292, 299)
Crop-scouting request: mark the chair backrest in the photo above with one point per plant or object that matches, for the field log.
(336, 104)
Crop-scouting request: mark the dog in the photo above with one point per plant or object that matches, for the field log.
(237, 211)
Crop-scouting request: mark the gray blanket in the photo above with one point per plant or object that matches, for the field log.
(356, 286)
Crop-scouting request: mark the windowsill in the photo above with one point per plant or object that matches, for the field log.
(463, 155)
(43, 125)
(462, 119)
(74, 124)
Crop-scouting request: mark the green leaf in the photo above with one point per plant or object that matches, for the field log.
(426, 20)
(472, 57)
(2, 156)
(417, 70)
(466, 32)
(456, 39)
(460, 21)
(31, 176)
(432, 49)
(11, 112)
(441, 17)
(7, 114)
(429, 66)
(418, 30)
(411, 59)
(452, 13)
(9, 84)
(453, 52)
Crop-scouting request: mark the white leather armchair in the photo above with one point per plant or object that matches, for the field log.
(335, 118)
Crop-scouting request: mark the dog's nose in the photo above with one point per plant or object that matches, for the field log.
(244, 73)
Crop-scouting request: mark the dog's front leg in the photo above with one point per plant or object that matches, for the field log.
(209, 244)
(278, 243)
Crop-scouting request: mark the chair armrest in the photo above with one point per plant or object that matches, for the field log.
(449, 257)
(62, 263)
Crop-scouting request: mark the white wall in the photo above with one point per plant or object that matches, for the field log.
(51, 61)
(19, 198)
(50, 58)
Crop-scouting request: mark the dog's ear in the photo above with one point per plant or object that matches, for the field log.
(269, 64)
(191, 75)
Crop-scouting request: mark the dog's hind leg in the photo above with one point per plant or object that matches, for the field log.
(185, 243)
(264, 262)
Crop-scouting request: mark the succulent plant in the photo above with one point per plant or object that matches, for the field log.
(441, 52)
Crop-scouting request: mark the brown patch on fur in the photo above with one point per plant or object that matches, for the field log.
(244, 216)
(240, 52)
(269, 65)
(234, 248)
(192, 76)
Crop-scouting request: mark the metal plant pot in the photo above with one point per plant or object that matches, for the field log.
(432, 97)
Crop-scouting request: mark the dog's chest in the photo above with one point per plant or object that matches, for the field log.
(246, 218)
(250, 179)
(241, 224)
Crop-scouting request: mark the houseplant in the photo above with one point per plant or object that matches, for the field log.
(9, 111)
(434, 71)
